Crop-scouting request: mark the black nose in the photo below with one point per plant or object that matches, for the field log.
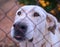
(20, 27)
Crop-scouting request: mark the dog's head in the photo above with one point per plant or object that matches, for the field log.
(26, 20)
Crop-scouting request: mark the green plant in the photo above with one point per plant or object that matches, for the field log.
(27, 2)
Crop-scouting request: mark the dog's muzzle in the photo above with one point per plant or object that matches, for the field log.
(19, 31)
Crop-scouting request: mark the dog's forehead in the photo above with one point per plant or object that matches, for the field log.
(31, 8)
(26, 8)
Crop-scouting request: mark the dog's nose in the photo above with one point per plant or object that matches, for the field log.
(20, 27)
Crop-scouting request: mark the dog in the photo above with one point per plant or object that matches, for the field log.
(34, 27)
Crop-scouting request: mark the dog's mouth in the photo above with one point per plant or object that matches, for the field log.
(19, 38)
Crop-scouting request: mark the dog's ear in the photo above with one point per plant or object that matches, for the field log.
(59, 27)
(51, 23)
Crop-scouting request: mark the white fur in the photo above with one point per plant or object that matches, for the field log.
(37, 27)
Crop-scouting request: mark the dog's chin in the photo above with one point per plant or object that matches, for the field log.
(21, 39)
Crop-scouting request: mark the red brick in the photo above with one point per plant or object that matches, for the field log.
(12, 12)
(6, 24)
(7, 6)
(2, 35)
(1, 14)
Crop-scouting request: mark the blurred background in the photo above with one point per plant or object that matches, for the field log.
(8, 9)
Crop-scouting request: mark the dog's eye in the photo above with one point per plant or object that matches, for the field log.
(36, 14)
(19, 13)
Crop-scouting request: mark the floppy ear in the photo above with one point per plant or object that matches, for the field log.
(51, 23)
(59, 27)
